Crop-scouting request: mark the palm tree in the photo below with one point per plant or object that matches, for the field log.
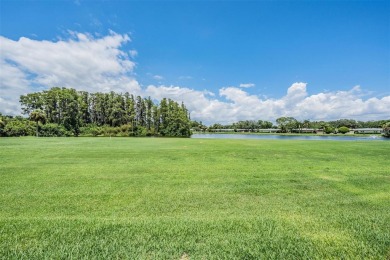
(38, 116)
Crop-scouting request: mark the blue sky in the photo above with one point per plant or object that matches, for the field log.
(235, 59)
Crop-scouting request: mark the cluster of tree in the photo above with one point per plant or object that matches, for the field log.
(20, 126)
(246, 124)
(288, 124)
(69, 112)
(198, 126)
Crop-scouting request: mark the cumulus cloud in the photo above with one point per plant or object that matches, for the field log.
(96, 64)
(247, 85)
(82, 62)
(240, 105)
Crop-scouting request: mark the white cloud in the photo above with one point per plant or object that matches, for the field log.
(158, 77)
(240, 105)
(82, 62)
(99, 64)
(133, 53)
(247, 85)
(202, 104)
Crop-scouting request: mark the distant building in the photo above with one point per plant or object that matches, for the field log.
(367, 130)
(304, 130)
(268, 130)
(221, 130)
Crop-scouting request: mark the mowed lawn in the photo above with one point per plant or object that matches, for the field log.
(156, 198)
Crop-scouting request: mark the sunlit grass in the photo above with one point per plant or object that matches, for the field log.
(148, 198)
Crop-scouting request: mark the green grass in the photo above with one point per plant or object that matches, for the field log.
(155, 198)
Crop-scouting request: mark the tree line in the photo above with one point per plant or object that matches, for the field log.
(67, 112)
(288, 124)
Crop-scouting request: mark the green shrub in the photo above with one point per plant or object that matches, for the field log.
(125, 128)
(91, 130)
(140, 131)
(53, 130)
(110, 131)
(328, 129)
(2, 126)
(19, 128)
(343, 130)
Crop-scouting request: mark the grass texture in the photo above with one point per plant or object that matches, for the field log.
(156, 198)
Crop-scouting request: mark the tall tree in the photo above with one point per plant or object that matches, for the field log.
(31, 102)
(83, 100)
(130, 111)
(140, 112)
(73, 109)
(149, 118)
(163, 116)
(156, 119)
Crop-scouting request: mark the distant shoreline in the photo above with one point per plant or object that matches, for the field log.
(287, 134)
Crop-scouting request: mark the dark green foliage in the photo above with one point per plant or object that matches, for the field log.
(18, 127)
(343, 130)
(107, 114)
(2, 125)
(91, 130)
(386, 129)
(328, 129)
(175, 121)
(350, 123)
(53, 130)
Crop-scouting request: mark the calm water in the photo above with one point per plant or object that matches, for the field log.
(291, 137)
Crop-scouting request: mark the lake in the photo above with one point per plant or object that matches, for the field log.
(292, 137)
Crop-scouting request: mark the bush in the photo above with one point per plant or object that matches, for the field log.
(140, 131)
(19, 128)
(328, 129)
(125, 128)
(2, 130)
(343, 130)
(110, 131)
(53, 130)
(91, 130)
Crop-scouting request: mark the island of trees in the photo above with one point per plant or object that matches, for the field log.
(67, 112)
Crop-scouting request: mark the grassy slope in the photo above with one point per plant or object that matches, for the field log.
(165, 198)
